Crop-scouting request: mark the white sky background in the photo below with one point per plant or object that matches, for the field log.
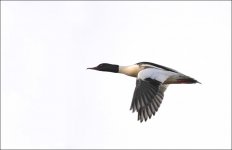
(50, 100)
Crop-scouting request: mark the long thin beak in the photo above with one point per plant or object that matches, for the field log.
(93, 68)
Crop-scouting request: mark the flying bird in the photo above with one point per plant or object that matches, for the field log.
(151, 82)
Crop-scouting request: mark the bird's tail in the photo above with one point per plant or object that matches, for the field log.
(187, 81)
(179, 79)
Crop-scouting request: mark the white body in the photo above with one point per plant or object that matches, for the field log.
(155, 73)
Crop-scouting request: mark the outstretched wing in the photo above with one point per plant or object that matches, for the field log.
(148, 96)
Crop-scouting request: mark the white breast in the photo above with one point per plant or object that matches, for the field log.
(132, 70)
(156, 74)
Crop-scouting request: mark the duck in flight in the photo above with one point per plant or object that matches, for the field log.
(151, 82)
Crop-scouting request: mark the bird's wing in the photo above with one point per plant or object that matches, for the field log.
(148, 96)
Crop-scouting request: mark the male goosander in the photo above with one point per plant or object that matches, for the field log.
(152, 80)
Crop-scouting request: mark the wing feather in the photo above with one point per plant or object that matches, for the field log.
(147, 98)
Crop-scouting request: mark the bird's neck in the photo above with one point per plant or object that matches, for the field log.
(132, 70)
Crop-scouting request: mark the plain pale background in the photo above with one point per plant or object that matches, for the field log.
(50, 100)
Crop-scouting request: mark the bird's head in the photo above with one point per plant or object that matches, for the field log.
(106, 67)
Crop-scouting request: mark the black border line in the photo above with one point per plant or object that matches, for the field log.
(99, 1)
(118, 0)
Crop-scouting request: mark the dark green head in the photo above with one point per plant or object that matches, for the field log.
(106, 67)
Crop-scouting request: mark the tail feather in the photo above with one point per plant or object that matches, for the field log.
(187, 80)
(180, 78)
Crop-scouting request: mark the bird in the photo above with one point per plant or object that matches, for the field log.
(151, 82)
